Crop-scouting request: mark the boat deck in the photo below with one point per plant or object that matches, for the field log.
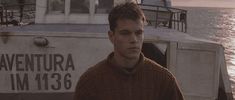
(99, 30)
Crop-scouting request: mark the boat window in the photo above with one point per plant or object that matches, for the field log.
(103, 6)
(56, 6)
(80, 6)
(156, 52)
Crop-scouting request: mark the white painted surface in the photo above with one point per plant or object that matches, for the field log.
(84, 51)
(197, 70)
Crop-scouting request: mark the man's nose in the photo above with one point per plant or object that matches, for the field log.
(133, 38)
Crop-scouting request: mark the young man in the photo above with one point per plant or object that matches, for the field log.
(126, 74)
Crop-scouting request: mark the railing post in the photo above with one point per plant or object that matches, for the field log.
(1, 15)
(6, 15)
(21, 6)
(178, 21)
(170, 21)
(156, 17)
(186, 21)
(174, 20)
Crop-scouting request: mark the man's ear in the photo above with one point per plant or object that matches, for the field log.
(111, 36)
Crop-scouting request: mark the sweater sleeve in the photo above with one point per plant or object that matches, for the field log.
(172, 91)
(85, 89)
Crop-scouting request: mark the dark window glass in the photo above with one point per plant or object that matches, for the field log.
(56, 6)
(79, 6)
(103, 6)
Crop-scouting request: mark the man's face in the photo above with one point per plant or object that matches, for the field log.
(127, 38)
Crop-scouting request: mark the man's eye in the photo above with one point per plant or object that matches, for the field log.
(139, 32)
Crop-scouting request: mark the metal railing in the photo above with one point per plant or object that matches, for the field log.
(169, 17)
(16, 14)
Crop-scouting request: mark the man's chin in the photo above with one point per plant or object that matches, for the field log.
(133, 55)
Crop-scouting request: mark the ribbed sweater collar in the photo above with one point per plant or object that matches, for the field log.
(137, 67)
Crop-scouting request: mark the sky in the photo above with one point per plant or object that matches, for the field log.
(205, 3)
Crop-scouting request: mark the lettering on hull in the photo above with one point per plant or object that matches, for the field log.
(37, 72)
(36, 62)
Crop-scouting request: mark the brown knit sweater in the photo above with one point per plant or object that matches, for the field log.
(148, 81)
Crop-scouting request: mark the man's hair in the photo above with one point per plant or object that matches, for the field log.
(129, 10)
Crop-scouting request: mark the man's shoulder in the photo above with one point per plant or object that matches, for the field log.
(157, 68)
(96, 69)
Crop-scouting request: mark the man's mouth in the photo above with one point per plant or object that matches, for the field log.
(134, 48)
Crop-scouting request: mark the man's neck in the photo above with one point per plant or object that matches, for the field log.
(125, 62)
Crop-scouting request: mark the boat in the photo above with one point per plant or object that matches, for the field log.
(44, 61)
